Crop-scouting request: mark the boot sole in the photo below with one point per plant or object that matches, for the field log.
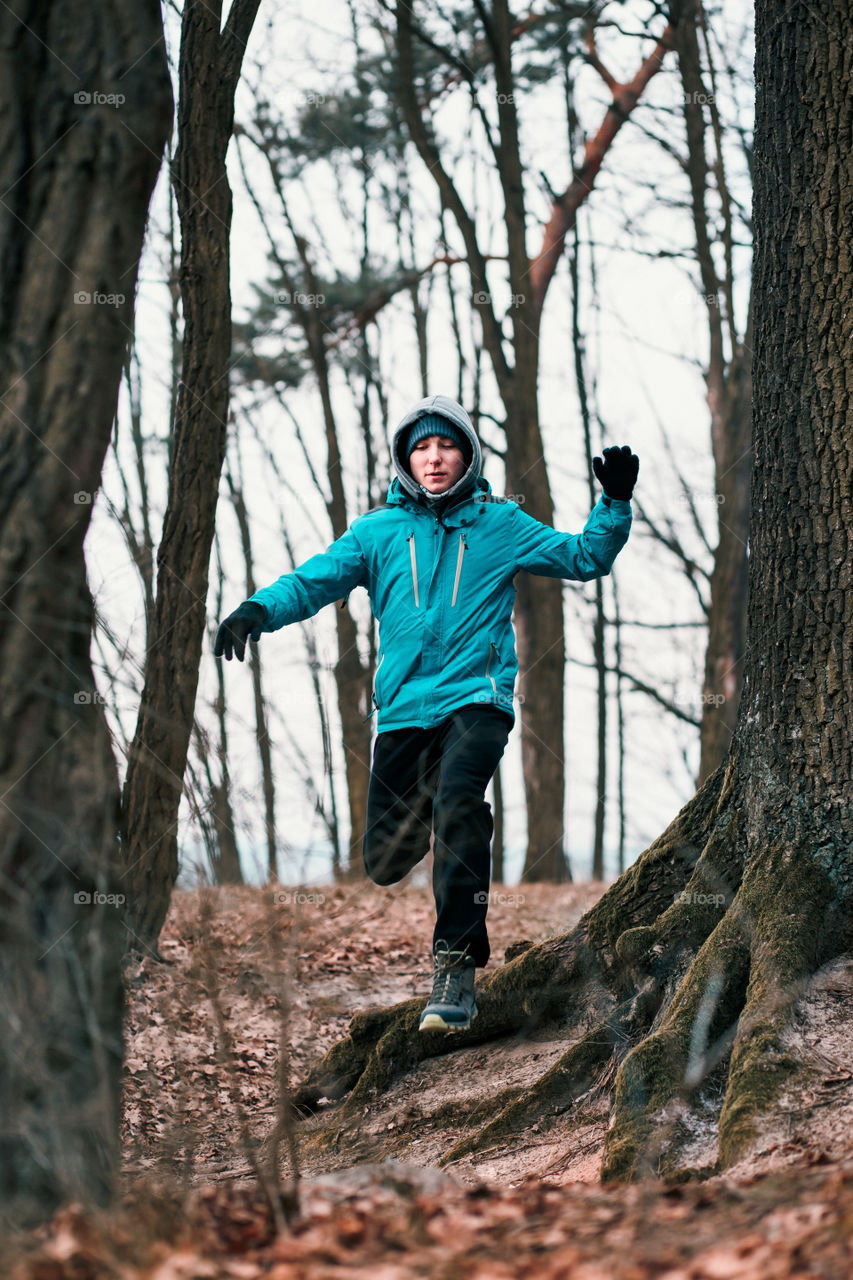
(435, 1022)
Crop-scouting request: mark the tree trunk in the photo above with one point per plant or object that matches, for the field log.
(724, 656)
(598, 632)
(85, 108)
(209, 69)
(261, 725)
(682, 979)
(227, 862)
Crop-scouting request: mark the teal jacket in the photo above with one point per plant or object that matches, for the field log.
(442, 588)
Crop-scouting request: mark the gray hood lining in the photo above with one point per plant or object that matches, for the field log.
(453, 412)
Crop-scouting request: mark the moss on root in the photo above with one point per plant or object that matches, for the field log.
(755, 963)
(788, 942)
(643, 892)
(654, 1073)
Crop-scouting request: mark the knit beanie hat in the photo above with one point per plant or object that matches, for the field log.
(433, 424)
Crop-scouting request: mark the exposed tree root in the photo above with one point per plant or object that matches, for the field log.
(545, 983)
(667, 1061)
(688, 969)
(566, 1082)
(735, 999)
(792, 933)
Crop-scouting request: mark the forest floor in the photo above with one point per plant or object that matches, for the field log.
(197, 1100)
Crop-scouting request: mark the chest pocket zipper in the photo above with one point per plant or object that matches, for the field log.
(462, 545)
(411, 542)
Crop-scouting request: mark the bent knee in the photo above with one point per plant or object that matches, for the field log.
(388, 863)
(385, 875)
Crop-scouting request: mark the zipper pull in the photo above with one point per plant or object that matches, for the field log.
(463, 543)
(411, 542)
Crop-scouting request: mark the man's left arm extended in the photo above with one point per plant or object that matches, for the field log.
(590, 554)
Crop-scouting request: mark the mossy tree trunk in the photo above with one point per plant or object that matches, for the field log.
(85, 110)
(691, 963)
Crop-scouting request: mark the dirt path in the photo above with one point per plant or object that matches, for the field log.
(346, 948)
(377, 1206)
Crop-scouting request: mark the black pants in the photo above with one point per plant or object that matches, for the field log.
(435, 779)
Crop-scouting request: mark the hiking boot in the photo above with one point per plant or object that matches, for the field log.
(451, 1006)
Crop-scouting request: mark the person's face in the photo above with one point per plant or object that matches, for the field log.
(437, 463)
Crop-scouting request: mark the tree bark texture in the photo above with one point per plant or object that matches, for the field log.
(208, 72)
(85, 111)
(726, 646)
(683, 978)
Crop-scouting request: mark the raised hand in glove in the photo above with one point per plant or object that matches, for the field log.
(617, 472)
(238, 627)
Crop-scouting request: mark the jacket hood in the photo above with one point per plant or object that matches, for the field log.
(453, 412)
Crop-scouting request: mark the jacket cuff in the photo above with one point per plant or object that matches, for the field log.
(256, 604)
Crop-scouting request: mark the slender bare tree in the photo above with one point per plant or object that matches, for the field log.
(209, 68)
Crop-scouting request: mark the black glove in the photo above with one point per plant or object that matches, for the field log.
(245, 622)
(617, 473)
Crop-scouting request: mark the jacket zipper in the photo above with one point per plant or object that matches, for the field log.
(375, 678)
(462, 545)
(411, 541)
(492, 651)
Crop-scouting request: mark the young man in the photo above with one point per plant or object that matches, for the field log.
(439, 559)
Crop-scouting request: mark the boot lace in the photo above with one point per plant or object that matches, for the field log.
(448, 979)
